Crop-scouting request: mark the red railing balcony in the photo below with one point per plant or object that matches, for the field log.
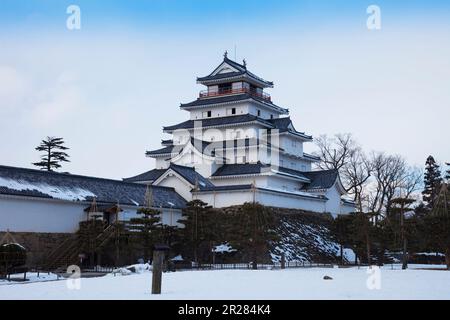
(225, 92)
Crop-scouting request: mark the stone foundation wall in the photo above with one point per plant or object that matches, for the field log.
(38, 245)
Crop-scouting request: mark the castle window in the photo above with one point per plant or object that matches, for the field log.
(271, 116)
(207, 114)
(231, 111)
(259, 113)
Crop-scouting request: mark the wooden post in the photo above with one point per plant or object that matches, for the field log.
(283, 261)
(157, 268)
(158, 257)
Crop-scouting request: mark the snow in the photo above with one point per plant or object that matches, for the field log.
(14, 244)
(63, 193)
(177, 258)
(225, 247)
(305, 283)
(31, 277)
(135, 268)
(302, 242)
(135, 202)
(349, 254)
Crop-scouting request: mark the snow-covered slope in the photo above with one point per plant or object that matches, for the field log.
(307, 237)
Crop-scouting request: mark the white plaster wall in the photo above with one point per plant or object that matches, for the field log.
(219, 111)
(168, 217)
(162, 163)
(260, 181)
(293, 163)
(203, 165)
(21, 215)
(229, 133)
(277, 182)
(286, 201)
(241, 108)
(291, 145)
(334, 201)
(226, 199)
(222, 199)
(265, 112)
(182, 188)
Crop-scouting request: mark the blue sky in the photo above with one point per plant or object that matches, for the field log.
(110, 87)
(198, 14)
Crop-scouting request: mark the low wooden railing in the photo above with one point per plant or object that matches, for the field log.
(224, 92)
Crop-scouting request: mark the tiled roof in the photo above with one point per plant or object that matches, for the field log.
(228, 188)
(313, 179)
(191, 176)
(167, 142)
(295, 173)
(229, 99)
(240, 169)
(212, 122)
(146, 176)
(52, 185)
(323, 179)
(241, 71)
(165, 150)
(282, 124)
(249, 186)
(285, 124)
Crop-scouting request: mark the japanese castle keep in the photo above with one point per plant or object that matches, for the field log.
(238, 146)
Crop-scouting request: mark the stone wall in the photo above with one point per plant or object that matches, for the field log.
(38, 245)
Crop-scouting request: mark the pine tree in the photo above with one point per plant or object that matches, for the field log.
(198, 220)
(254, 230)
(399, 206)
(342, 229)
(54, 153)
(437, 224)
(147, 226)
(432, 181)
(447, 173)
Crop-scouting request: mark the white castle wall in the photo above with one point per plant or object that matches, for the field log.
(230, 198)
(20, 214)
(241, 108)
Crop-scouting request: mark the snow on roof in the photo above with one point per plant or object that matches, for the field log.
(57, 192)
(62, 186)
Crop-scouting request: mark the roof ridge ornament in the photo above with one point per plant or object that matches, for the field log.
(244, 63)
(225, 54)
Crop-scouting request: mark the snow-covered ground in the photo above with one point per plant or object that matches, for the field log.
(347, 283)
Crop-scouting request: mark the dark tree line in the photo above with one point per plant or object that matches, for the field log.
(406, 224)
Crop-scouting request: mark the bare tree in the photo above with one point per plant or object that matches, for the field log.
(341, 152)
(392, 177)
(334, 152)
(355, 176)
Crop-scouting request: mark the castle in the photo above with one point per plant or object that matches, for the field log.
(238, 146)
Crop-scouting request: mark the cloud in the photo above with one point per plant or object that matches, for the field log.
(13, 88)
(58, 103)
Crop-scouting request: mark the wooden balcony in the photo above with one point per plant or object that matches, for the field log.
(227, 92)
